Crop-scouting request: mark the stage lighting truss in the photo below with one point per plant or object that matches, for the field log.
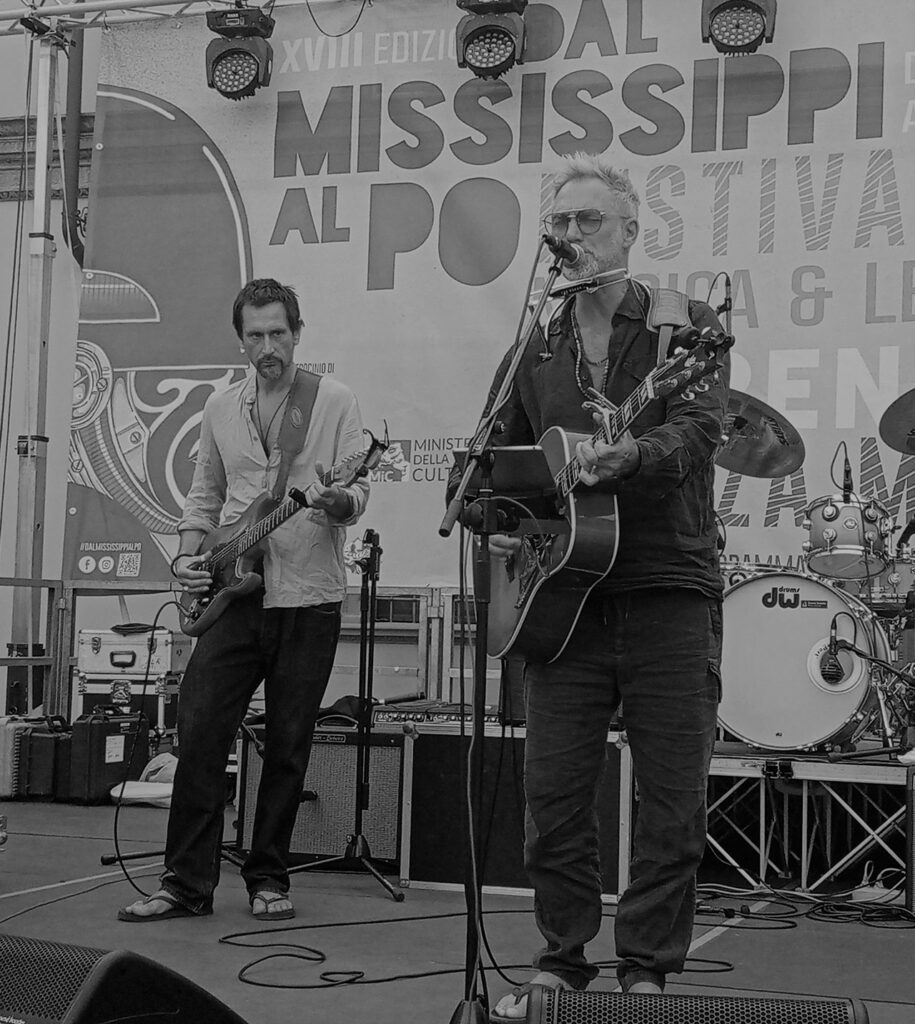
(241, 62)
(490, 37)
(738, 26)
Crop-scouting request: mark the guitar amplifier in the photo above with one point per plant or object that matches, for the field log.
(327, 814)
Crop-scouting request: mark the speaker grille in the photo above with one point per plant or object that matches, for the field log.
(40, 978)
(614, 1008)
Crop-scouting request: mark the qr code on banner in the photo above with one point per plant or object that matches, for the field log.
(129, 563)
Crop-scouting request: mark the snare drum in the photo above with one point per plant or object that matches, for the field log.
(848, 539)
(776, 633)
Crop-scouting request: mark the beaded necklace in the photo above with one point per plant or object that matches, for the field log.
(580, 358)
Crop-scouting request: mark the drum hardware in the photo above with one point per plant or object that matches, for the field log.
(895, 689)
(758, 441)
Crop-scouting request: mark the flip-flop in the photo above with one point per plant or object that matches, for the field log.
(268, 898)
(175, 909)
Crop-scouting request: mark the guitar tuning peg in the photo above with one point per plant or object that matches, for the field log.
(689, 394)
(702, 385)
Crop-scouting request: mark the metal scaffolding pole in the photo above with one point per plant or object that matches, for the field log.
(105, 13)
(32, 446)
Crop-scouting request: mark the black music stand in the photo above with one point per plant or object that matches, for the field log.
(357, 851)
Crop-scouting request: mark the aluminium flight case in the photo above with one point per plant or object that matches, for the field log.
(108, 653)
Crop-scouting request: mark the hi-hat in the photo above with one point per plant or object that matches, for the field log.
(758, 440)
(897, 424)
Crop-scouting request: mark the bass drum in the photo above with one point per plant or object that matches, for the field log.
(776, 638)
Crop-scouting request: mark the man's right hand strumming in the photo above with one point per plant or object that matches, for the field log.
(186, 570)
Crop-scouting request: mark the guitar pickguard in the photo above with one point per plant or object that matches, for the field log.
(532, 564)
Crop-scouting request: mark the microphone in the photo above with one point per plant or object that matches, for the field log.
(830, 667)
(568, 252)
(846, 482)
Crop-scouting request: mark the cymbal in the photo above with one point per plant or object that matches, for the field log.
(897, 424)
(760, 441)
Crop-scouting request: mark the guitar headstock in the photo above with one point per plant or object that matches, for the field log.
(358, 464)
(690, 365)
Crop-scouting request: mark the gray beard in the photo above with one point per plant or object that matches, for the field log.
(588, 266)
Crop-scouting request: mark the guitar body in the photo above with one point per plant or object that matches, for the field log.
(231, 579)
(537, 595)
(236, 550)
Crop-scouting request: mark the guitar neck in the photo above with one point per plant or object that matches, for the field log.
(256, 532)
(618, 422)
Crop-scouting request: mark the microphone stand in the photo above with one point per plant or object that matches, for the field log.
(357, 847)
(484, 522)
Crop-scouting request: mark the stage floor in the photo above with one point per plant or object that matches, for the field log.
(53, 887)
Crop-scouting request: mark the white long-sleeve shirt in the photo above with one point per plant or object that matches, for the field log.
(303, 561)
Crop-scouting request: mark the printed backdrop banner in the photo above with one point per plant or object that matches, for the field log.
(402, 198)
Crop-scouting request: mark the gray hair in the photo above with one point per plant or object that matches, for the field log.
(587, 165)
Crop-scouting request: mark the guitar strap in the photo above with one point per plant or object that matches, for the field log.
(295, 423)
(668, 310)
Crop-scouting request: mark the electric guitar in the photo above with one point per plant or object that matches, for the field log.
(538, 592)
(236, 551)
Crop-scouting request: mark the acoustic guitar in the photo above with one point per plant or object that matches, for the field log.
(537, 594)
(236, 550)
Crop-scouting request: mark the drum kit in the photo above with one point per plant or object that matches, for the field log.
(813, 659)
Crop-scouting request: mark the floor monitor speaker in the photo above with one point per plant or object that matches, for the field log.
(556, 1007)
(44, 982)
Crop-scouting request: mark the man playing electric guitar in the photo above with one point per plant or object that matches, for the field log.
(272, 431)
(649, 634)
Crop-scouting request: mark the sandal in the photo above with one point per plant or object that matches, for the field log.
(269, 898)
(514, 1005)
(175, 909)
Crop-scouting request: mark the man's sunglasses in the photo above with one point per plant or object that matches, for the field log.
(588, 221)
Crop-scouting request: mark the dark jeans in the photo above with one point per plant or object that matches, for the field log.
(292, 651)
(659, 652)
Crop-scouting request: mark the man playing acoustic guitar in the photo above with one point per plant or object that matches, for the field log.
(284, 633)
(648, 635)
